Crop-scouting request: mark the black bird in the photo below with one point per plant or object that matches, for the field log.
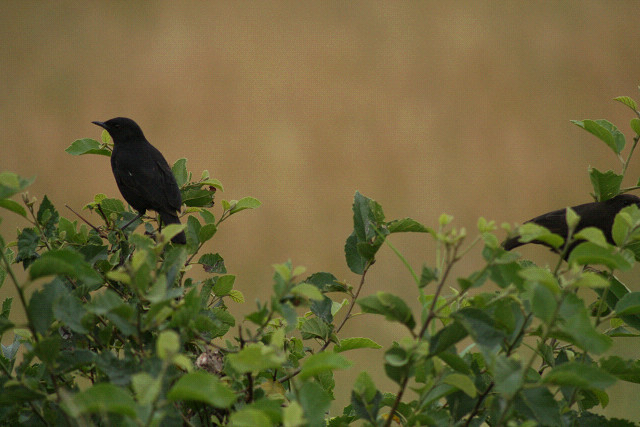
(143, 175)
(597, 214)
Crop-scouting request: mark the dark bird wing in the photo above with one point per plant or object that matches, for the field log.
(146, 182)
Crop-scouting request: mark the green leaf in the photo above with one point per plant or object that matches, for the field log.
(167, 345)
(591, 280)
(635, 125)
(255, 358)
(212, 263)
(365, 398)
(588, 253)
(593, 235)
(408, 225)
(11, 183)
(628, 304)
(313, 327)
(626, 226)
(87, 146)
(626, 370)
(250, 417)
(179, 170)
(542, 276)
(355, 343)
(101, 398)
(577, 327)
(446, 337)
(540, 404)
(203, 387)
(307, 291)
(145, 387)
(576, 374)
(355, 261)
(462, 383)
(605, 131)
(207, 232)
(543, 303)
(390, 306)
(315, 401)
(244, 203)
(532, 231)
(605, 185)
(14, 207)
(627, 101)
(320, 362)
(508, 375)
(69, 310)
(64, 262)
(480, 326)
(223, 285)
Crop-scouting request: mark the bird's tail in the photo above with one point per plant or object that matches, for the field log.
(171, 218)
(512, 243)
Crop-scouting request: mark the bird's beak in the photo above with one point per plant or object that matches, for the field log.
(101, 124)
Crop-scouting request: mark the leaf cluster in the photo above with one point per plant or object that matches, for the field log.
(119, 331)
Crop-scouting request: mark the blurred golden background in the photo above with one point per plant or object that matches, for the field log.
(428, 107)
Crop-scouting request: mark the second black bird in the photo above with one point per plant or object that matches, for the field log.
(143, 175)
(597, 214)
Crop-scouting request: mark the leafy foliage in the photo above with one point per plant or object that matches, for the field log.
(120, 333)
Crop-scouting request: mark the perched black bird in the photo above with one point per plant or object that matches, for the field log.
(597, 214)
(142, 174)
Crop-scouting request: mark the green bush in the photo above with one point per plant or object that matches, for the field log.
(121, 334)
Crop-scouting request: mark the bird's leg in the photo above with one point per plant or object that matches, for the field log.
(132, 221)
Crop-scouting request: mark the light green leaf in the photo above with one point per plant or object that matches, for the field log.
(13, 207)
(320, 362)
(87, 146)
(202, 387)
(355, 343)
(101, 398)
(462, 383)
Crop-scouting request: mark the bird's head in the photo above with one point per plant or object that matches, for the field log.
(121, 129)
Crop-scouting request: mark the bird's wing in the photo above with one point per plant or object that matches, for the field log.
(555, 222)
(169, 184)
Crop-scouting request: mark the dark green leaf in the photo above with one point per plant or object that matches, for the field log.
(355, 261)
(480, 326)
(538, 403)
(390, 306)
(408, 225)
(212, 263)
(576, 374)
(626, 370)
(446, 337)
(365, 398)
(629, 304)
(64, 262)
(576, 324)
